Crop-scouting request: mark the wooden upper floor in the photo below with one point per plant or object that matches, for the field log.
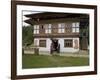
(57, 29)
(49, 24)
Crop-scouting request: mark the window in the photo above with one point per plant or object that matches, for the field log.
(36, 29)
(42, 43)
(75, 27)
(61, 27)
(48, 28)
(68, 43)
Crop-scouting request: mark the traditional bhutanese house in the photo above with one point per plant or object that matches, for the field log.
(64, 27)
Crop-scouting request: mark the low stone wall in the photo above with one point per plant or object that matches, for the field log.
(30, 50)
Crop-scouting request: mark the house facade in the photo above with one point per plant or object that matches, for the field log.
(64, 28)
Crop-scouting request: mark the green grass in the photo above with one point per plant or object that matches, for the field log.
(45, 61)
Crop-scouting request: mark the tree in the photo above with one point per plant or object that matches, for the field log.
(84, 30)
(27, 35)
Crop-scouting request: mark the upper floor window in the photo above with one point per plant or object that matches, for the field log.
(61, 28)
(47, 28)
(36, 29)
(75, 27)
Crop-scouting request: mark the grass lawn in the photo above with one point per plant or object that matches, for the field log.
(45, 61)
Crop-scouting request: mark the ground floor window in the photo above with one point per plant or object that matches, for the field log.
(42, 43)
(68, 43)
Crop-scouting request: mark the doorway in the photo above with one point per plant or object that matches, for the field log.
(55, 46)
(55, 42)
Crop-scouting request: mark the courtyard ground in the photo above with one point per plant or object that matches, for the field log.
(56, 60)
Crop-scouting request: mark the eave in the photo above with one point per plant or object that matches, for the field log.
(47, 16)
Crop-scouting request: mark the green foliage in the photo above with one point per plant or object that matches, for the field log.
(84, 32)
(27, 35)
(84, 29)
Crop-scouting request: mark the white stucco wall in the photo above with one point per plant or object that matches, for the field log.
(60, 41)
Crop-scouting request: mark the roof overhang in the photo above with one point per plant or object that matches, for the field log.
(51, 16)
